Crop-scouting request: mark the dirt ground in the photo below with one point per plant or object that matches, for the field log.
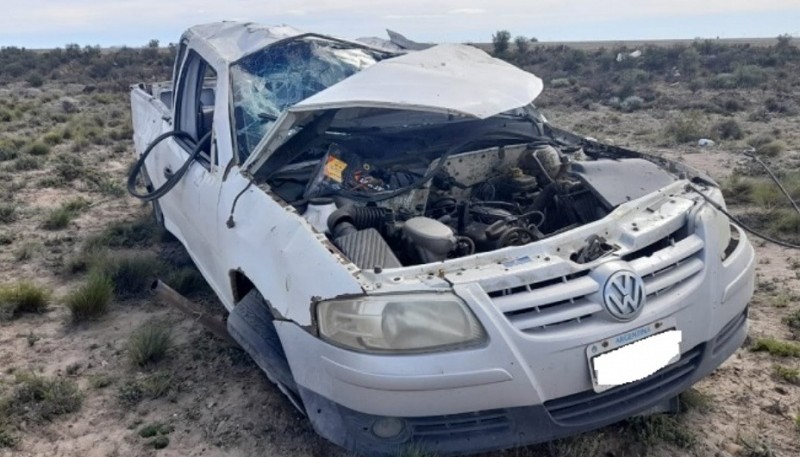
(218, 401)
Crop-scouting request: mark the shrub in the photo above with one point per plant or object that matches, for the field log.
(132, 273)
(686, 128)
(26, 164)
(632, 103)
(793, 320)
(152, 386)
(560, 82)
(69, 167)
(188, 281)
(52, 138)
(785, 221)
(723, 81)
(58, 218)
(37, 149)
(22, 297)
(790, 375)
(38, 399)
(91, 299)
(777, 347)
(8, 152)
(8, 213)
(522, 44)
(140, 232)
(749, 76)
(35, 80)
(149, 344)
(771, 149)
(728, 130)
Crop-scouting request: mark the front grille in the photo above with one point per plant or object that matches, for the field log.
(590, 407)
(670, 266)
(563, 302)
(451, 426)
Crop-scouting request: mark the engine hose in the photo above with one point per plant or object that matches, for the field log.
(362, 217)
(175, 177)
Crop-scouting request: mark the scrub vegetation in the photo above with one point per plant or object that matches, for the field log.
(74, 249)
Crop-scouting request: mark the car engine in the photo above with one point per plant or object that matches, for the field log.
(466, 203)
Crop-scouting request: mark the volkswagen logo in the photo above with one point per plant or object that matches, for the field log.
(624, 295)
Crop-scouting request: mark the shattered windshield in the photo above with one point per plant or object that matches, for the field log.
(267, 82)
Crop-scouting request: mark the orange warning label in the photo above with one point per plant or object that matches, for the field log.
(334, 168)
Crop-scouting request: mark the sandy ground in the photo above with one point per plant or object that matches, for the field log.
(220, 404)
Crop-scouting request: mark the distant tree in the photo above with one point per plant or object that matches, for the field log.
(689, 62)
(72, 50)
(534, 40)
(501, 41)
(152, 43)
(522, 44)
(784, 41)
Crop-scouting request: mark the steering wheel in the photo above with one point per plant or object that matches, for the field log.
(175, 177)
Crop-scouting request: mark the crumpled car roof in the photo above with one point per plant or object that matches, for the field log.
(233, 40)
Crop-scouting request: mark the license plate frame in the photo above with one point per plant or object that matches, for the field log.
(602, 347)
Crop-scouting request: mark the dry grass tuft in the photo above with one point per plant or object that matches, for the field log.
(149, 344)
(91, 300)
(22, 297)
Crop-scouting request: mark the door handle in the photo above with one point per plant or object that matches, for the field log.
(167, 172)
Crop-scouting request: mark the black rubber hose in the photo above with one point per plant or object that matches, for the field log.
(172, 180)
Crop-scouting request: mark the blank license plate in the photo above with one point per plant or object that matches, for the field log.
(632, 356)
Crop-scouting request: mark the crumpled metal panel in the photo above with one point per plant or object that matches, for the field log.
(450, 79)
(233, 40)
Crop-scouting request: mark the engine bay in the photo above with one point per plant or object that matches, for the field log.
(393, 210)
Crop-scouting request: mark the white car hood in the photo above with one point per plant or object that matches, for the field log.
(449, 78)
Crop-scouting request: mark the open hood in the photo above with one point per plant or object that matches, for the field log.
(449, 79)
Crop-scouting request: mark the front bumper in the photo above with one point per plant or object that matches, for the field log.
(502, 428)
(521, 388)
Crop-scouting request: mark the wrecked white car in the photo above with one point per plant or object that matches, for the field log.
(416, 257)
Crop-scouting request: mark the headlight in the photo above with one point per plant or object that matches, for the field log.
(399, 323)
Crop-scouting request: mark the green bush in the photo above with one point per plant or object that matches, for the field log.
(26, 163)
(58, 218)
(132, 273)
(686, 128)
(37, 149)
(138, 233)
(777, 347)
(91, 299)
(149, 344)
(771, 149)
(728, 130)
(35, 80)
(39, 399)
(749, 76)
(22, 297)
(8, 213)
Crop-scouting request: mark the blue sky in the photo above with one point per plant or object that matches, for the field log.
(51, 23)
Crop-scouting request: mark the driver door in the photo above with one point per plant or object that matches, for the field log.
(192, 203)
